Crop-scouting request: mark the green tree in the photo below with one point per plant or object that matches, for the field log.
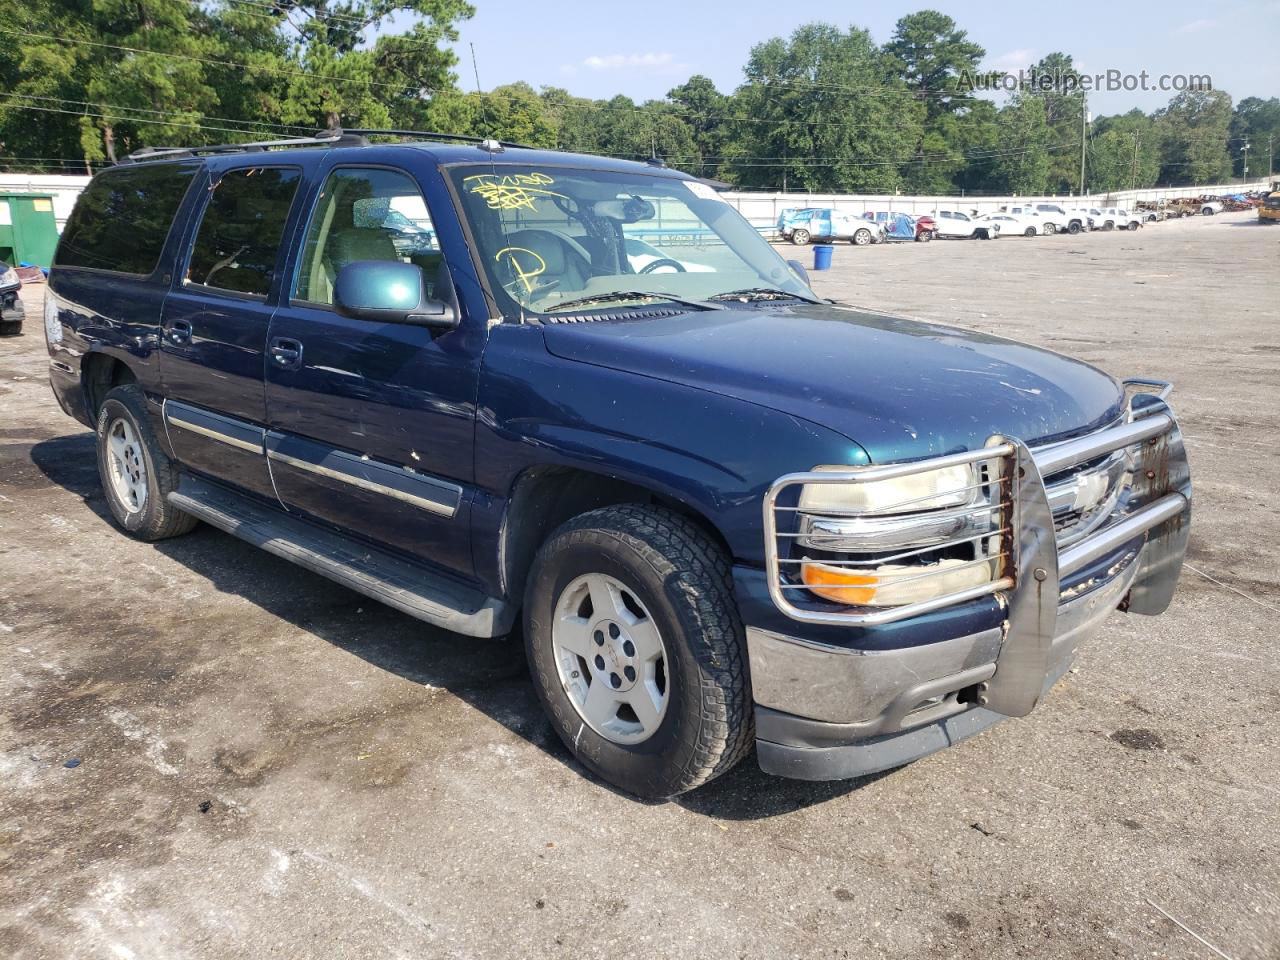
(703, 109)
(940, 65)
(1124, 152)
(1257, 123)
(1194, 129)
(823, 110)
(1022, 163)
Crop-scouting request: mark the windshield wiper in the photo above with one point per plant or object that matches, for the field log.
(762, 293)
(632, 295)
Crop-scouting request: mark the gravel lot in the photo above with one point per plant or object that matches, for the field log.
(273, 766)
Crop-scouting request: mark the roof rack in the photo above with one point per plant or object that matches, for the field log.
(325, 138)
(338, 137)
(451, 137)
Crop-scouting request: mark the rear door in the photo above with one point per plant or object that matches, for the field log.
(214, 328)
(371, 424)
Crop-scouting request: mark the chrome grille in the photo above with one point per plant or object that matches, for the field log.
(1085, 497)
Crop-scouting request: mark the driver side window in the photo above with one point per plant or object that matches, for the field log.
(365, 214)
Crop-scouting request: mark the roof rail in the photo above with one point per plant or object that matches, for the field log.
(451, 137)
(325, 138)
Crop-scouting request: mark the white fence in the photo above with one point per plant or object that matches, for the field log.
(762, 209)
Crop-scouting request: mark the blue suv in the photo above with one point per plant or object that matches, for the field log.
(597, 409)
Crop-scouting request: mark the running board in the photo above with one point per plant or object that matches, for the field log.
(375, 573)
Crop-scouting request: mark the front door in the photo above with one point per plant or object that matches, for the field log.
(371, 424)
(214, 328)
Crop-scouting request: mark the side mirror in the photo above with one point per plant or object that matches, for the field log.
(798, 269)
(388, 291)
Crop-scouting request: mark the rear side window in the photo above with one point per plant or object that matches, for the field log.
(122, 219)
(238, 243)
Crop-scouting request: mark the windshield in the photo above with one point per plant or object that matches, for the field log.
(548, 235)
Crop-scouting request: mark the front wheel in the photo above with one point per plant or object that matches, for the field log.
(1050, 229)
(1029, 232)
(800, 237)
(861, 238)
(1074, 227)
(924, 236)
(637, 651)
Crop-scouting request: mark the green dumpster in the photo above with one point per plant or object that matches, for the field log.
(28, 231)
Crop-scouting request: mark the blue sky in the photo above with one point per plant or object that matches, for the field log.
(643, 49)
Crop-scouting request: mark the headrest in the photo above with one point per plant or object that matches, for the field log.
(361, 243)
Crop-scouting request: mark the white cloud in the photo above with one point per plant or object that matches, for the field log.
(656, 62)
(1014, 59)
(1195, 26)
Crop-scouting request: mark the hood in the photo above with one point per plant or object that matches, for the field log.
(901, 389)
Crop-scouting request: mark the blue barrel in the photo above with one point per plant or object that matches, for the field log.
(822, 256)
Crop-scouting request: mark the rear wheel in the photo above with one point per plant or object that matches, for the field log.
(1050, 229)
(924, 236)
(1073, 227)
(1029, 232)
(137, 475)
(800, 237)
(637, 651)
(861, 237)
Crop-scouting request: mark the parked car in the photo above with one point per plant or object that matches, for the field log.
(1070, 219)
(898, 226)
(727, 512)
(1045, 223)
(958, 225)
(1120, 218)
(1011, 225)
(822, 223)
(11, 310)
(1209, 207)
(1269, 211)
(926, 228)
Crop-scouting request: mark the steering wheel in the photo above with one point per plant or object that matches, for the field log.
(663, 262)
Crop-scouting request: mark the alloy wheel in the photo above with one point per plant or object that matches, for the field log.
(127, 467)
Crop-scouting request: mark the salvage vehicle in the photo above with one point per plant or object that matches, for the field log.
(956, 225)
(1011, 224)
(1046, 223)
(1208, 208)
(822, 223)
(1269, 211)
(720, 510)
(1070, 219)
(12, 312)
(898, 226)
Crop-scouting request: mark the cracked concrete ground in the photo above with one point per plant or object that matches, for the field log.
(271, 765)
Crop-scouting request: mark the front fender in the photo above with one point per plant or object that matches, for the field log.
(715, 454)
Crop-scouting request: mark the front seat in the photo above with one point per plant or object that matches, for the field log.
(360, 243)
(564, 259)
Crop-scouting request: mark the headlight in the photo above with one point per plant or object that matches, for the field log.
(948, 487)
(892, 542)
(9, 277)
(52, 325)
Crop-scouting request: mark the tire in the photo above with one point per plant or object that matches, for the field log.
(1108, 225)
(924, 237)
(1207, 211)
(124, 425)
(861, 237)
(800, 237)
(1074, 227)
(1029, 232)
(659, 564)
(1050, 229)
(11, 328)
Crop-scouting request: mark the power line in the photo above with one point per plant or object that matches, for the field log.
(251, 124)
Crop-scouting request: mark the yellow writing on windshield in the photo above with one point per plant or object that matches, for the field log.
(511, 191)
(532, 264)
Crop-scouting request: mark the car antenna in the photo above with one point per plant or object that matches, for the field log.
(490, 142)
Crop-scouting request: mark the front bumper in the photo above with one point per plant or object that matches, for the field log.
(12, 312)
(915, 701)
(829, 709)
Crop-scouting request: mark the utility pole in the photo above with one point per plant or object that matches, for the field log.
(1244, 162)
(1084, 120)
(1133, 180)
(1270, 158)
